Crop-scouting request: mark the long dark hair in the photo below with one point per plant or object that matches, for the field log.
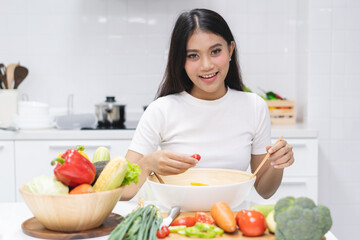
(175, 78)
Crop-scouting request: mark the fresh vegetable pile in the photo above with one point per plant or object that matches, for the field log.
(290, 219)
(201, 225)
(269, 95)
(74, 172)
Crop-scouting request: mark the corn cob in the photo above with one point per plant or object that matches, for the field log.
(112, 176)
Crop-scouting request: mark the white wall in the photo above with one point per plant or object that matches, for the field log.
(94, 48)
(333, 107)
(306, 50)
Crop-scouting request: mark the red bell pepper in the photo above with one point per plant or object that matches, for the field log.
(74, 169)
(187, 221)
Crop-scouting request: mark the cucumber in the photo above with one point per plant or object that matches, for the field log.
(264, 209)
(99, 166)
(101, 154)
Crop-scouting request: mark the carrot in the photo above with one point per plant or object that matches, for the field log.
(223, 216)
(82, 188)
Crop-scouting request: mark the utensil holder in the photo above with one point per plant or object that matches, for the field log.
(8, 106)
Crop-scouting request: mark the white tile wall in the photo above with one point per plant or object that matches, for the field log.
(308, 51)
(333, 107)
(94, 48)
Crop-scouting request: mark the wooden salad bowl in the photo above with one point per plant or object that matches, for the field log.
(71, 213)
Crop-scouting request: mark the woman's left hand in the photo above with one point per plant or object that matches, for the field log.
(281, 154)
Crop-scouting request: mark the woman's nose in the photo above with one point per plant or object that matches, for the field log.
(206, 63)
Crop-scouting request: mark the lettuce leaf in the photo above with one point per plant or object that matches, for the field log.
(132, 174)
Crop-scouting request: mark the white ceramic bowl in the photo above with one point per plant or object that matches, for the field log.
(230, 186)
(28, 108)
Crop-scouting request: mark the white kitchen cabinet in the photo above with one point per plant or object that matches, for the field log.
(300, 179)
(7, 171)
(32, 158)
(28, 153)
(306, 158)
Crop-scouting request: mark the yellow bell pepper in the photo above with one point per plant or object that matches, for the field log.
(80, 149)
(198, 184)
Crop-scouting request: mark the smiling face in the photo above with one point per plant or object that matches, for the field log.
(207, 64)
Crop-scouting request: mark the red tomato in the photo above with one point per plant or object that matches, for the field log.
(204, 218)
(251, 223)
(188, 221)
(163, 232)
(196, 156)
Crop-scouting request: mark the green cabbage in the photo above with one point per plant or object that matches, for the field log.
(46, 185)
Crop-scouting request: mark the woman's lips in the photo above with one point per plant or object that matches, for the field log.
(209, 77)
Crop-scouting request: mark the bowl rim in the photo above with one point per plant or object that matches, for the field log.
(210, 186)
(23, 191)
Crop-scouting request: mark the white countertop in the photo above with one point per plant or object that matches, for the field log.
(12, 215)
(288, 131)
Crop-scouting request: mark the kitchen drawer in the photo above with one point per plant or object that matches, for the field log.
(33, 157)
(290, 186)
(7, 170)
(306, 158)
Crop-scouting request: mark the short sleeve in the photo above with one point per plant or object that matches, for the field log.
(262, 137)
(148, 132)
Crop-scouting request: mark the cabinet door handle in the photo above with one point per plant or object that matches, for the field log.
(88, 146)
(295, 181)
(298, 145)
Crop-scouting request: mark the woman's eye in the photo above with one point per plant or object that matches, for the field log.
(192, 56)
(216, 51)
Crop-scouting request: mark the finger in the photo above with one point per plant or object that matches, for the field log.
(286, 164)
(182, 157)
(169, 170)
(283, 160)
(170, 160)
(267, 148)
(279, 154)
(277, 146)
(179, 164)
(172, 171)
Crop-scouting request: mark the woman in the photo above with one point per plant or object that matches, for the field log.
(201, 108)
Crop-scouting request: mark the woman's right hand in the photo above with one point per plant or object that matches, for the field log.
(165, 162)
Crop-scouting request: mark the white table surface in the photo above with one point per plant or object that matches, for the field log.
(12, 215)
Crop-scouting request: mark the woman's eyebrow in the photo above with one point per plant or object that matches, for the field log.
(213, 46)
(216, 45)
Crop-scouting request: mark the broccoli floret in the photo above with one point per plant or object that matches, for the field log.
(301, 219)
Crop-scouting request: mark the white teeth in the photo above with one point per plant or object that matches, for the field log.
(208, 76)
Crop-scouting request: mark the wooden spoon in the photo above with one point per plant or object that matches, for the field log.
(264, 160)
(19, 75)
(159, 178)
(10, 69)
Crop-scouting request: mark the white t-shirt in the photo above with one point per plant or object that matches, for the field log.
(225, 132)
